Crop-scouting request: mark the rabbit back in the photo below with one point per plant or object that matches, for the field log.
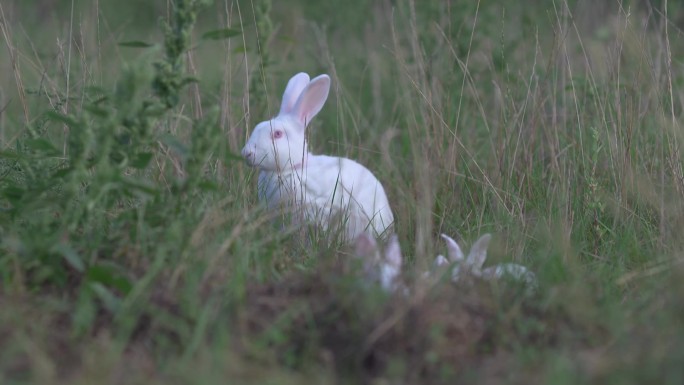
(331, 186)
(511, 271)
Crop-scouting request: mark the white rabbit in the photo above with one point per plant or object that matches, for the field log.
(382, 268)
(385, 267)
(472, 265)
(318, 187)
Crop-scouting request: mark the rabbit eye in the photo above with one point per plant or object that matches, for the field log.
(277, 134)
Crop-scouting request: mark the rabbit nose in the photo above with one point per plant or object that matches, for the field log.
(247, 153)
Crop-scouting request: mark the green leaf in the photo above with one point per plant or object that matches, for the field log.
(220, 34)
(62, 172)
(240, 49)
(70, 256)
(84, 312)
(207, 185)
(59, 117)
(96, 110)
(9, 154)
(13, 193)
(188, 80)
(141, 160)
(41, 144)
(135, 44)
(109, 275)
(110, 301)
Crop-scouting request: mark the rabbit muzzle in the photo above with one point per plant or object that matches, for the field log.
(249, 155)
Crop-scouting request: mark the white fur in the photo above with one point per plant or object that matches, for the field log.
(319, 187)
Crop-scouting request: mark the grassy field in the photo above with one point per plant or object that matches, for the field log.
(133, 248)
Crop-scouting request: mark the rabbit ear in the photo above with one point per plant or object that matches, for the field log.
(393, 252)
(365, 245)
(440, 261)
(311, 100)
(478, 253)
(294, 88)
(453, 250)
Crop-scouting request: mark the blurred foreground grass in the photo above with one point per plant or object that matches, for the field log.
(133, 249)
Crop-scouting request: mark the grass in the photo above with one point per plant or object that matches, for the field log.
(133, 249)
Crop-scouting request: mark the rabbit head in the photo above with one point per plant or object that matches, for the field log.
(464, 266)
(279, 144)
(384, 268)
